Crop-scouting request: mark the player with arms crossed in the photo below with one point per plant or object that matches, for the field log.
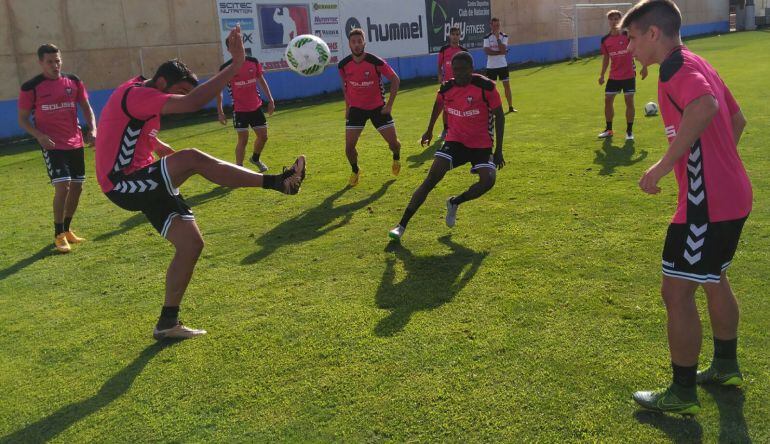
(132, 179)
(445, 55)
(247, 109)
(361, 74)
(704, 125)
(52, 97)
(614, 48)
(471, 103)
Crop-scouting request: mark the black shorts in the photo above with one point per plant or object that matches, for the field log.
(498, 73)
(242, 120)
(151, 191)
(701, 252)
(65, 165)
(357, 118)
(458, 154)
(627, 86)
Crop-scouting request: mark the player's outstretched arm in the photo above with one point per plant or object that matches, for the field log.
(203, 94)
(428, 135)
(499, 134)
(696, 117)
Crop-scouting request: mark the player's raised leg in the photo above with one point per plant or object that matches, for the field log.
(487, 173)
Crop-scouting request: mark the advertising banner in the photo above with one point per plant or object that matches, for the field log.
(393, 28)
(471, 16)
(268, 26)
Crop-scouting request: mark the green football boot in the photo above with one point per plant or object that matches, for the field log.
(712, 375)
(667, 401)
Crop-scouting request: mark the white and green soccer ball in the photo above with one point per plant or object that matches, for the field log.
(651, 109)
(307, 55)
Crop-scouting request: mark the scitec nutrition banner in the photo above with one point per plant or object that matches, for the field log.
(268, 26)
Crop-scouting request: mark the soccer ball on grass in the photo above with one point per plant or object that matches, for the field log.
(651, 109)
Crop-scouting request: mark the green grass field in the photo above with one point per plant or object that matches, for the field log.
(532, 320)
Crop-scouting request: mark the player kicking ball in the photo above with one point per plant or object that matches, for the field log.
(614, 48)
(704, 125)
(470, 101)
(132, 179)
(361, 74)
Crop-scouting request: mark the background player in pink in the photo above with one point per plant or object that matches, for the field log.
(471, 103)
(248, 109)
(614, 48)
(704, 125)
(52, 98)
(132, 179)
(445, 55)
(361, 74)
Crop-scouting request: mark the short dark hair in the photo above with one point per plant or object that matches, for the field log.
(47, 48)
(174, 71)
(356, 31)
(463, 56)
(454, 28)
(614, 12)
(495, 19)
(661, 13)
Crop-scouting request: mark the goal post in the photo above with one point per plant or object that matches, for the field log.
(572, 14)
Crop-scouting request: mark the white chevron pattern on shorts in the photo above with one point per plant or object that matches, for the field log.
(135, 186)
(695, 241)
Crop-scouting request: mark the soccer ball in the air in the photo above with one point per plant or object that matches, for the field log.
(307, 55)
(651, 109)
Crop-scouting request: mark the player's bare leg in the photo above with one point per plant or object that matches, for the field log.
(485, 183)
(609, 114)
(240, 146)
(351, 140)
(724, 314)
(437, 171)
(188, 245)
(259, 145)
(70, 206)
(60, 191)
(390, 136)
(185, 163)
(508, 96)
(630, 114)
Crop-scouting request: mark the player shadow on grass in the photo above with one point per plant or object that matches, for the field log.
(417, 160)
(312, 223)
(732, 423)
(139, 218)
(49, 427)
(430, 282)
(678, 429)
(611, 157)
(43, 253)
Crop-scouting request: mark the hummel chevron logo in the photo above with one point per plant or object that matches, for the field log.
(695, 184)
(695, 155)
(133, 133)
(696, 199)
(698, 231)
(692, 259)
(695, 170)
(694, 246)
(133, 186)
